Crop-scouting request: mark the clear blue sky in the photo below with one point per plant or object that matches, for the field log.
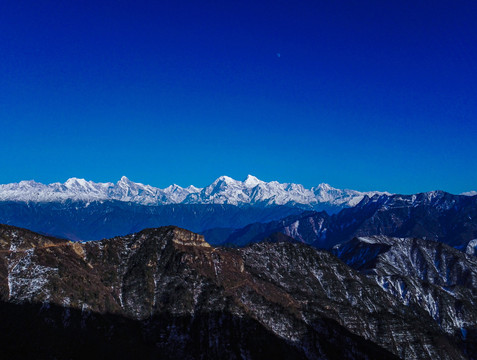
(360, 94)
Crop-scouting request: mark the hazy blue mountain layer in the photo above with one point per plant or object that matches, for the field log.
(104, 219)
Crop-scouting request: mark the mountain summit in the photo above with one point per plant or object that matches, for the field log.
(224, 190)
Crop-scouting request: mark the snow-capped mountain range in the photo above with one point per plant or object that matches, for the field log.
(223, 190)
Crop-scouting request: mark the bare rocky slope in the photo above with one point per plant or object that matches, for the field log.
(421, 273)
(167, 293)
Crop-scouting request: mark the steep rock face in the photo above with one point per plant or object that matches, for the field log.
(181, 292)
(430, 275)
(438, 216)
(471, 248)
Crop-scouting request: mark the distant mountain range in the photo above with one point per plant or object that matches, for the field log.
(435, 215)
(236, 212)
(223, 190)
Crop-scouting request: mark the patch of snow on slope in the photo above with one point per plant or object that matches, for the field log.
(27, 280)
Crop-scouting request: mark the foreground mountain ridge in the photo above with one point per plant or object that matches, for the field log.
(224, 190)
(166, 292)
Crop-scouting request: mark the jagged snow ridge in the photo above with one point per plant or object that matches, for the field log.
(224, 190)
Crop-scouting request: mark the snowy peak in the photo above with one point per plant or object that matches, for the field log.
(192, 188)
(252, 181)
(124, 179)
(225, 179)
(124, 182)
(224, 190)
(326, 193)
(75, 182)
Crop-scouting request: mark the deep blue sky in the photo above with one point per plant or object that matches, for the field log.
(360, 94)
